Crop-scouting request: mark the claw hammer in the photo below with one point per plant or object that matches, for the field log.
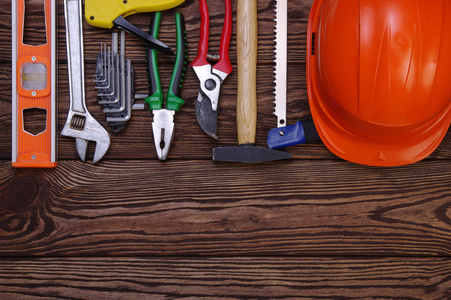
(247, 42)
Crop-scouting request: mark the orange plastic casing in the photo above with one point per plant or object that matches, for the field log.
(379, 78)
(30, 150)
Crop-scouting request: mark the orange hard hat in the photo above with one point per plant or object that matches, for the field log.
(379, 78)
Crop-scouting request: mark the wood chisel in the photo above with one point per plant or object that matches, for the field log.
(34, 91)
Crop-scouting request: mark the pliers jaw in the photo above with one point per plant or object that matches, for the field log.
(163, 131)
(163, 118)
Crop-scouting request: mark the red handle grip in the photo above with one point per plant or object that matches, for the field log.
(224, 64)
(202, 48)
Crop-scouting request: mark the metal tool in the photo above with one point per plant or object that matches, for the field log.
(280, 70)
(34, 77)
(114, 79)
(211, 77)
(107, 13)
(247, 36)
(163, 120)
(80, 124)
(301, 132)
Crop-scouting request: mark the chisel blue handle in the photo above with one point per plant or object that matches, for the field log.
(299, 133)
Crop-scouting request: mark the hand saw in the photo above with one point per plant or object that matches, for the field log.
(34, 89)
(280, 70)
(301, 132)
(107, 13)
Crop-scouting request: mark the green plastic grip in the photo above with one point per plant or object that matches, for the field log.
(173, 99)
(155, 98)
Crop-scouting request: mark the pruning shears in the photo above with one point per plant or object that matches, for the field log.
(211, 77)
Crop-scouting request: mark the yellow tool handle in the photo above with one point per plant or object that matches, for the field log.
(102, 13)
(247, 40)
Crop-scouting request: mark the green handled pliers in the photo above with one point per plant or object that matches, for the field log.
(163, 121)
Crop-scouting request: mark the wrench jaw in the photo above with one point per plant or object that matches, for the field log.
(79, 123)
(84, 128)
(101, 149)
(163, 131)
(82, 148)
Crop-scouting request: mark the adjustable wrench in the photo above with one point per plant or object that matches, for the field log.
(80, 124)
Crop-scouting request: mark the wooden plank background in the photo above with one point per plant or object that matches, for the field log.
(132, 227)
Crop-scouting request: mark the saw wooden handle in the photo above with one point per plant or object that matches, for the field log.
(247, 38)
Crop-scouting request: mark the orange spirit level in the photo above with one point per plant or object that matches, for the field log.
(34, 92)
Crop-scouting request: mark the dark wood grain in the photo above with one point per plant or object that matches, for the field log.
(225, 278)
(196, 143)
(298, 18)
(190, 142)
(131, 227)
(205, 208)
(138, 131)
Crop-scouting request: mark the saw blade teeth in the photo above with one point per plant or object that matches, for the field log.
(280, 62)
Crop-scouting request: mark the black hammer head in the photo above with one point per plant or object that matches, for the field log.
(247, 153)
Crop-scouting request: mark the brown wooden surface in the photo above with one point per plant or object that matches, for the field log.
(133, 227)
(225, 278)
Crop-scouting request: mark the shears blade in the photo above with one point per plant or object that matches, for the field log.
(206, 116)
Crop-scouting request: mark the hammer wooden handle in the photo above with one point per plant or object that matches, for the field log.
(247, 38)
